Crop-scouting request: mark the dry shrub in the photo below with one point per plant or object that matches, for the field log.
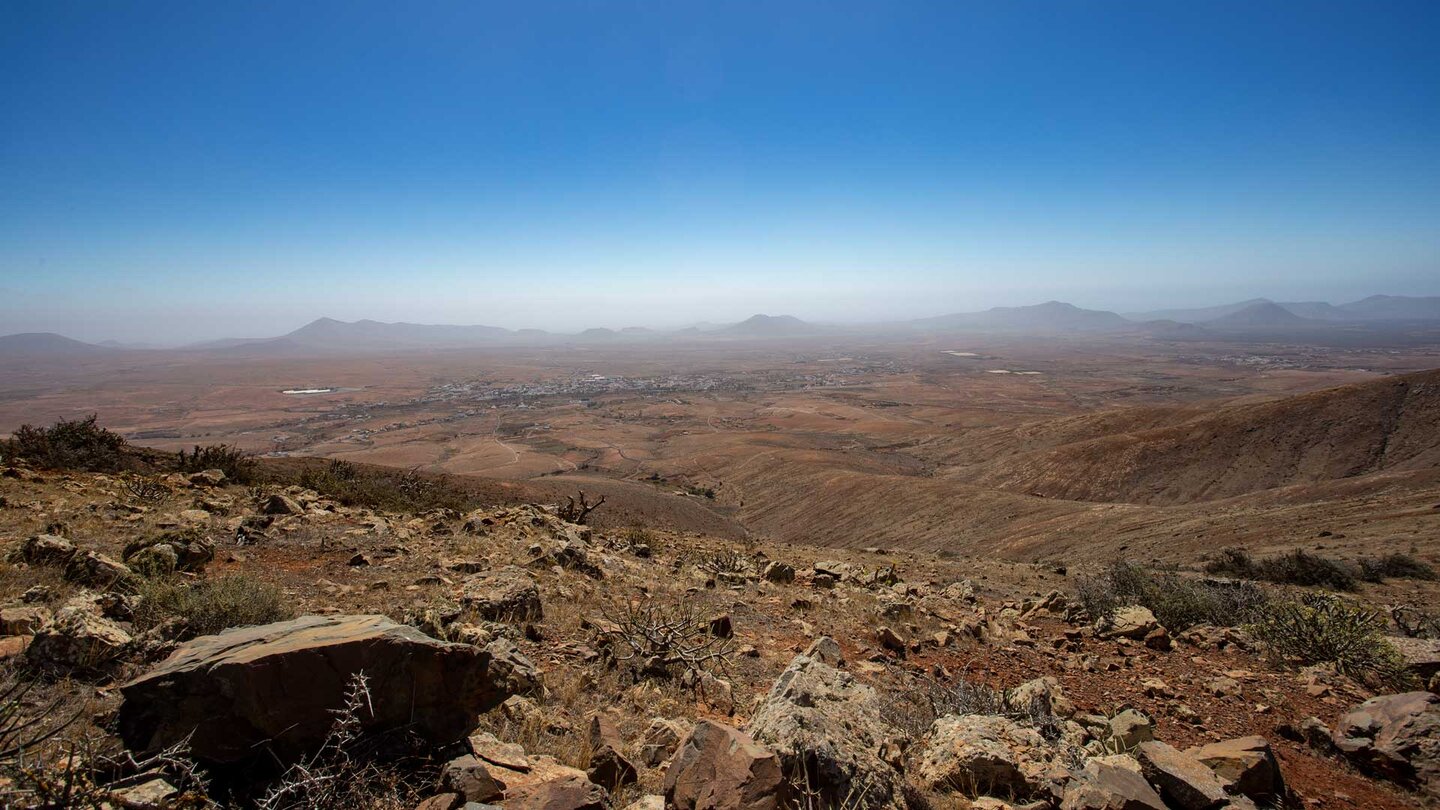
(350, 771)
(211, 605)
(383, 489)
(50, 760)
(69, 444)
(1415, 622)
(1327, 629)
(1177, 602)
(664, 639)
(1398, 565)
(238, 465)
(1299, 567)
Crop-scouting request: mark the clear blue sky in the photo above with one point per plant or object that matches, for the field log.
(195, 169)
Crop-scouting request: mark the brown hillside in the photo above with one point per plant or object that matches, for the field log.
(1390, 424)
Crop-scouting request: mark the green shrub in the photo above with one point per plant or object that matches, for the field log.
(77, 444)
(238, 465)
(1177, 602)
(211, 605)
(1299, 567)
(1327, 629)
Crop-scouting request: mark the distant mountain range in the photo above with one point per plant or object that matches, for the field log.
(1257, 315)
(1051, 316)
(1374, 308)
(46, 344)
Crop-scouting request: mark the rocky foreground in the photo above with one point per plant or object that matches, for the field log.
(509, 657)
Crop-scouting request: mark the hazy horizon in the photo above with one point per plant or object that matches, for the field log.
(177, 173)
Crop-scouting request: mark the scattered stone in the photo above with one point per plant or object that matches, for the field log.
(776, 571)
(152, 794)
(720, 768)
(505, 755)
(22, 621)
(207, 478)
(988, 755)
(1422, 655)
(95, 570)
(1133, 622)
(1247, 765)
(1130, 728)
(1223, 687)
(469, 777)
(47, 549)
(661, 740)
(548, 785)
(827, 651)
(608, 766)
(504, 595)
(275, 686)
(278, 504)
(1043, 692)
(890, 640)
(824, 723)
(1103, 786)
(1183, 780)
(1395, 737)
(441, 801)
(78, 640)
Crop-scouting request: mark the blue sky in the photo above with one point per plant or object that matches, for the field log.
(185, 170)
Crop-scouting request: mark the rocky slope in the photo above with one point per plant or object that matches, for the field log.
(503, 655)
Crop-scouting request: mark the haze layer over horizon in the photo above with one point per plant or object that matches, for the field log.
(180, 172)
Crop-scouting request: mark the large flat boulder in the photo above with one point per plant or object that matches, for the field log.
(275, 687)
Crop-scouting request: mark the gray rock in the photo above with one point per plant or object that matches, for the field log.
(987, 755)
(78, 640)
(823, 722)
(504, 595)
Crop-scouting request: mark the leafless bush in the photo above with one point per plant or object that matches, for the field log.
(578, 512)
(727, 564)
(146, 490)
(23, 730)
(1414, 622)
(344, 773)
(38, 769)
(664, 640)
(915, 707)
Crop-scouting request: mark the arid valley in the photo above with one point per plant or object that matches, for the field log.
(949, 443)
